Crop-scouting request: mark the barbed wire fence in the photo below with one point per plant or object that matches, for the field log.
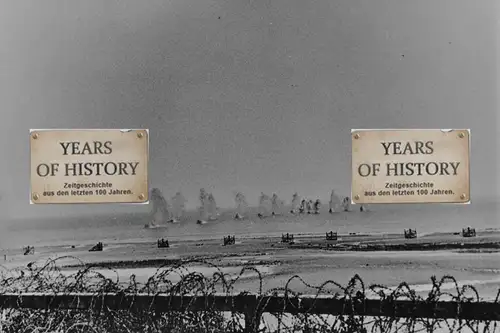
(173, 281)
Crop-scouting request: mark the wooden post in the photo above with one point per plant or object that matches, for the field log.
(250, 311)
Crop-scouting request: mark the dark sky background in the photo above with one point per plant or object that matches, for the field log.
(244, 95)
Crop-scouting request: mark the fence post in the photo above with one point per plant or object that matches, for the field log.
(250, 312)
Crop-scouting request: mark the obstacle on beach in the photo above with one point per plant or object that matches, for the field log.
(97, 248)
(27, 250)
(163, 243)
(468, 232)
(287, 238)
(229, 240)
(332, 236)
(410, 233)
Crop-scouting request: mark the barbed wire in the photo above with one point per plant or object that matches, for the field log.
(50, 277)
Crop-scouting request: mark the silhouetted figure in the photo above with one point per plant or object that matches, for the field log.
(346, 203)
(295, 203)
(317, 206)
(310, 207)
(302, 206)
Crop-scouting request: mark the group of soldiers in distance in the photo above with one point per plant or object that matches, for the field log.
(314, 206)
(309, 206)
(172, 211)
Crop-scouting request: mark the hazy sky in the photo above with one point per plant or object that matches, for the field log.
(243, 95)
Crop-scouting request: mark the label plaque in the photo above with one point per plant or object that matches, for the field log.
(410, 166)
(89, 166)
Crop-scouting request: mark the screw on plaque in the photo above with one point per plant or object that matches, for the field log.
(34, 136)
(141, 196)
(461, 135)
(356, 136)
(140, 135)
(35, 197)
(356, 197)
(463, 196)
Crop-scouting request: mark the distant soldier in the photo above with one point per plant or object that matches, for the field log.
(310, 207)
(302, 206)
(317, 206)
(346, 204)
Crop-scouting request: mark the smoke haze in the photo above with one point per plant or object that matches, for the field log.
(241, 203)
(178, 205)
(203, 197)
(211, 206)
(265, 204)
(160, 209)
(334, 201)
(296, 201)
(277, 204)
